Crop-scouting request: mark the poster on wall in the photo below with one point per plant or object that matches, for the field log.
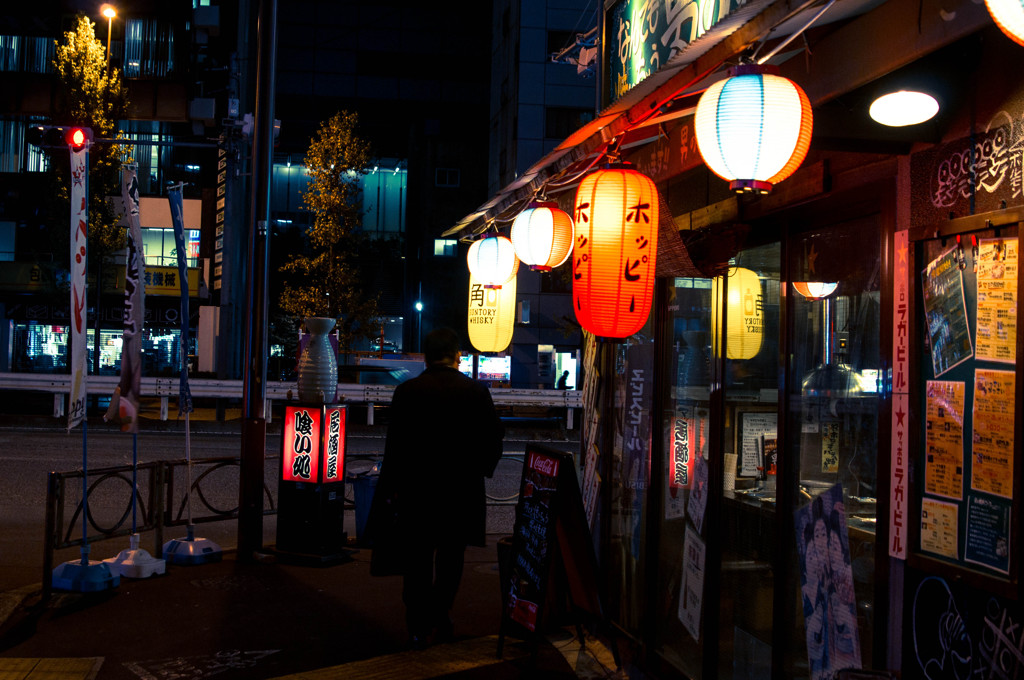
(698, 501)
(946, 313)
(826, 583)
(992, 443)
(691, 591)
(830, 446)
(944, 439)
(988, 533)
(996, 332)
(939, 522)
(756, 426)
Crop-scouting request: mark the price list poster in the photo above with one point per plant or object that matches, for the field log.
(992, 443)
(944, 439)
(996, 332)
(949, 335)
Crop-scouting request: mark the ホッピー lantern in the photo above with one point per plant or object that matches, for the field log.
(754, 128)
(492, 260)
(614, 252)
(744, 323)
(542, 236)
(491, 314)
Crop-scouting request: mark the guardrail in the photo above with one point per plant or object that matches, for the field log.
(167, 388)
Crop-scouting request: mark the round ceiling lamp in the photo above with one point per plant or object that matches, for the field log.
(753, 128)
(613, 264)
(542, 236)
(905, 107)
(492, 260)
(1009, 17)
(815, 290)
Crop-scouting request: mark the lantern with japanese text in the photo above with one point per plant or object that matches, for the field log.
(616, 244)
(491, 314)
(492, 260)
(1009, 17)
(542, 236)
(753, 128)
(744, 313)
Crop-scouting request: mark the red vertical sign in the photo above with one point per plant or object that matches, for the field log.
(900, 398)
(335, 445)
(301, 450)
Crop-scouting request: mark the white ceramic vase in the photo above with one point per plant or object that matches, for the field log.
(318, 366)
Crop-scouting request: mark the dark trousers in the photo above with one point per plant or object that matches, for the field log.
(431, 581)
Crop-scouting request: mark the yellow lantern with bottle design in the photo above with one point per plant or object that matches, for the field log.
(744, 321)
(491, 314)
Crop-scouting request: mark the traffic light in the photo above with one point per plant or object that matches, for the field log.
(78, 137)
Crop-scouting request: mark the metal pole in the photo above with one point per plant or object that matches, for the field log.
(254, 428)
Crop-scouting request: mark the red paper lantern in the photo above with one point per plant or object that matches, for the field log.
(615, 249)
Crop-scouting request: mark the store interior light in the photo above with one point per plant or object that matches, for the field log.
(905, 107)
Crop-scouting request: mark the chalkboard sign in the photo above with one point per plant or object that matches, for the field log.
(550, 545)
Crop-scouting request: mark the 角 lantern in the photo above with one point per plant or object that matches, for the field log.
(744, 313)
(491, 315)
(753, 128)
(1009, 17)
(542, 236)
(492, 260)
(614, 252)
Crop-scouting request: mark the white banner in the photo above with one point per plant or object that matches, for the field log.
(79, 235)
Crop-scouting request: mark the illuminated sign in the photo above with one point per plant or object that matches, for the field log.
(301, 456)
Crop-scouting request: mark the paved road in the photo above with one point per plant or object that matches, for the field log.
(28, 455)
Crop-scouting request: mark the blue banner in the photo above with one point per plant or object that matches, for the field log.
(178, 219)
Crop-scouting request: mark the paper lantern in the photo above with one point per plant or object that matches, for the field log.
(1009, 17)
(815, 290)
(491, 315)
(492, 260)
(744, 313)
(754, 128)
(614, 252)
(542, 236)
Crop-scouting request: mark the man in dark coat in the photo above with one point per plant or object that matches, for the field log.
(444, 436)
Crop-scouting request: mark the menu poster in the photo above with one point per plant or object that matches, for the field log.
(698, 502)
(992, 445)
(997, 300)
(830, 446)
(691, 592)
(755, 426)
(946, 313)
(988, 533)
(939, 527)
(944, 439)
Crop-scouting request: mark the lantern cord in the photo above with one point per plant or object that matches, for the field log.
(793, 36)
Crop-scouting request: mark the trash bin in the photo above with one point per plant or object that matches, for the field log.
(363, 486)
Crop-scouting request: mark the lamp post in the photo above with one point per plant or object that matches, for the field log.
(109, 12)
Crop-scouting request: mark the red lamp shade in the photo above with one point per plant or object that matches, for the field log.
(492, 260)
(616, 245)
(753, 128)
(542, 236)
(815, 290)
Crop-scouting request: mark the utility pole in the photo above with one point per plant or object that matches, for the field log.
(254, 369)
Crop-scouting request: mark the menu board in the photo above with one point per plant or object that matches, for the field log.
(551, 543)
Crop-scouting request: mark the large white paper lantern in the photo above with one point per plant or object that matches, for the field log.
(542, 236)
(492, 260)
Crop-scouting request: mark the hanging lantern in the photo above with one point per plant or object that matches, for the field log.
(492, 260)
(744, 313)
(815, 290)
(492, 313)
(1009, 17)
(614, 253)
(542, 236)
(754, 128)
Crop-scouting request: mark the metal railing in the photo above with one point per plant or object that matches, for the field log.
(167, 388)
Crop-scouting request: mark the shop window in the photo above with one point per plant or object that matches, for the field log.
(161, 250)
(445, 247)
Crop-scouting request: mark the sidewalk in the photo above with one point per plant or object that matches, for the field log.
(271, 619)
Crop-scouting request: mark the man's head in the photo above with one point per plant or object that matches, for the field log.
(441, 346)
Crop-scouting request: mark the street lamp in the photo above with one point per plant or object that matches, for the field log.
(109, 12)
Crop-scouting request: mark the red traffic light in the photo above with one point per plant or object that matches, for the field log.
(78, 137)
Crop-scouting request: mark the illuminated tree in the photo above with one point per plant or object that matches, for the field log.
(325, 279)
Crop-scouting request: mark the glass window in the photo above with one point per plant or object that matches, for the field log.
(149, 48)
(833, 440)
(445, 247)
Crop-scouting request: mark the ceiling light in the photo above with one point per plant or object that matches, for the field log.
(905, 107)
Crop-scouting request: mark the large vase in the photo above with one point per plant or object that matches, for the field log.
(318, 367)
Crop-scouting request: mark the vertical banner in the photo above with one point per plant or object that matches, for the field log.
(124, 406)
(178, 220)
(900, 397)
(79, 234)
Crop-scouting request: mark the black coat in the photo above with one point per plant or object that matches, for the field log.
(444, 437)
